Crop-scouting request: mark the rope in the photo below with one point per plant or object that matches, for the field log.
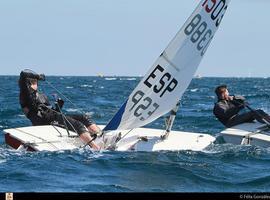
(51, 85)
(45, 141)
(118, 140)
(66, 120)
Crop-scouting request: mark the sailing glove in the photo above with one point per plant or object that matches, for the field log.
(239, 98)
(240, 101)
(60, 102)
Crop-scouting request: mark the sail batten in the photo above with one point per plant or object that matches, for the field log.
(166, 81)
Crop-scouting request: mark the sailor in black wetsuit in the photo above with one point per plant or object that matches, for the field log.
(228, 107)
(37, 108)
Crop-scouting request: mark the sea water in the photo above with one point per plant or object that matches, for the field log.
(219, 168)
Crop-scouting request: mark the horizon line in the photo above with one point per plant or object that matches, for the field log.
(101, 75)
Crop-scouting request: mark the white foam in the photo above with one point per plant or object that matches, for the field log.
(69, 87)
(128, 79)
(3, 161)
(86, 86)
(89, 113)
(72, 110)
(194, 90)
(110, 79)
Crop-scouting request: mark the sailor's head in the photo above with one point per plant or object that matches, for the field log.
(33, 83)
(222, 92)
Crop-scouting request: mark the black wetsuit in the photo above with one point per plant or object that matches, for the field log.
(227, 113)
(37, 108)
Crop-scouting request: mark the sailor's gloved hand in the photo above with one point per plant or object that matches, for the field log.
(42, 109)
(42, 77)
(240, 100)
(60, 102)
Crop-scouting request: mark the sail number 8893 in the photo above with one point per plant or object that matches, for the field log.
(198, 28)
(198, 35)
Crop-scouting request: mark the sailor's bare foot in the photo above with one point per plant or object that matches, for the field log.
(94, 146)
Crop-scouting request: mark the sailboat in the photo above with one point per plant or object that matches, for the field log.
(253, 133)
(157, 94)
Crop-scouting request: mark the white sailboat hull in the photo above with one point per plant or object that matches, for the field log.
(48, 138)
(248, 134)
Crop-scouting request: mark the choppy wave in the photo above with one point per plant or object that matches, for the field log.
(194, 90)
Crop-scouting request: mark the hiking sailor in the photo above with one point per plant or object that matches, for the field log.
(37, 108)
(228, 109)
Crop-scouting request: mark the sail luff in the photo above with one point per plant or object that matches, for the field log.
(166, 81)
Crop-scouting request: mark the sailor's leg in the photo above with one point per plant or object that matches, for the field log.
(239, 119)
(45, 118)
(80, 129)
(88, 122)
(260, 115)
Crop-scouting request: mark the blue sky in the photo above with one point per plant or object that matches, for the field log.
(124, 37)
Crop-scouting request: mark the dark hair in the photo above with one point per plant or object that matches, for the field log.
(220, 90)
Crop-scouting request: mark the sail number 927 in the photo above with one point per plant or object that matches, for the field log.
(146, 103)
(161, 83)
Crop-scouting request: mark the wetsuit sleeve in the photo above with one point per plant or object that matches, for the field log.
(222, 111)
(27, 94)
(238, 102)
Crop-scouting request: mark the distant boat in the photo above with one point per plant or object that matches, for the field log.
(100, 75)
(198, 76)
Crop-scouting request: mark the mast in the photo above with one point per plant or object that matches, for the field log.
(170, 120)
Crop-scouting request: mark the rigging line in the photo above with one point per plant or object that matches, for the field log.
(123, 137)
(51, 85)
(45, 141)
(57, 130)
(63, 118)
(66, 120)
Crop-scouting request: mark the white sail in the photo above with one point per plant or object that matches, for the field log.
(164, 84)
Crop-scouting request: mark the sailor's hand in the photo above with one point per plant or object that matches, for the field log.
(42, 77)
(230, 98)
(239, 98)
(60, 102)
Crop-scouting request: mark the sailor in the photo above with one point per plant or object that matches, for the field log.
(230, 109)
(38, 109)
